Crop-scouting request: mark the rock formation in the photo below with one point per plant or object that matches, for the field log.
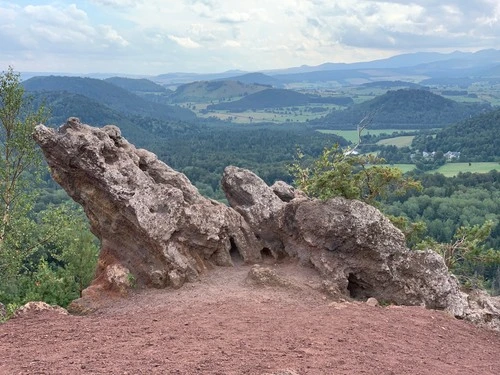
(354, 247)
(155, 229)
(158, 231)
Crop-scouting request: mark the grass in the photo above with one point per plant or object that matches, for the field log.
(452, 169)
(404, 141)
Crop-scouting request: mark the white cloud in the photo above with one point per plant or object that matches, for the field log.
(233, 17)
(118, 3)
(215, 35)
(185, 42)
(231, 44)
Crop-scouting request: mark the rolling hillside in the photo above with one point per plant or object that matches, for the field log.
(109, 95)
(269, 98)
(203, 91)
(136, 85)
(403, 109)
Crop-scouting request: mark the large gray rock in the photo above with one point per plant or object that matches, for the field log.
(352, 245)
(155, 228)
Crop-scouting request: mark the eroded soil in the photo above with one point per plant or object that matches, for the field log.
(222, 325)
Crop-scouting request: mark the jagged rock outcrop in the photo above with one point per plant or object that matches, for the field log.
(155, 228)
(350, 243)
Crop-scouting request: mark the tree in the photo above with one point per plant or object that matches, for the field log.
(466, 255)
(46, 254)
(18, 151)
(342, 172)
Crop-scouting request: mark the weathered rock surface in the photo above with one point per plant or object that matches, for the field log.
(351, 244)
(155, 228)
(37, 307)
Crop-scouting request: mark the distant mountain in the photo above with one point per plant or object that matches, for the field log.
(203, 91)
(403, 109)
(110, 95)
(136, 85)
(416, 66)
(475, 138)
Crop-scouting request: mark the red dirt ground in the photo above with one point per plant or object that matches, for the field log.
(222, 325)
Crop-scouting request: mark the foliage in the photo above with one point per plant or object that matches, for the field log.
(48, 253)
(476, 138)
(467, 252)
(18, 152)
(339, 172)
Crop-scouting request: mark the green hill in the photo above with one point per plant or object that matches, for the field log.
(136, 85)
(62, 105)
(203, 91)
(110, 95)
(403, 109)
(269, 98)
(477, 138)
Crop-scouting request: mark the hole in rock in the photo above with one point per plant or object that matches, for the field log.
(235, 253)
(266, 253)
(358, 288)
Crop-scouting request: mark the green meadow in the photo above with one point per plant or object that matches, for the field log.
(452, 169)
(403, 141)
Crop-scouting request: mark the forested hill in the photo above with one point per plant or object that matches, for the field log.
(201, 91)
(477, 138)
(62, 105)
(403, 109)
(277, 98)
(136, 85)
(269, 98)
(109, 95)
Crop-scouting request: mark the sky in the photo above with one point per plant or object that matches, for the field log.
(149, 37)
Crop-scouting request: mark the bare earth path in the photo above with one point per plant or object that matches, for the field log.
(224, 326)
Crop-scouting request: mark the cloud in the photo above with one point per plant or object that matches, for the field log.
(233, 17)
(185, 42)
(118, 3)
(231, 44)
(215, 35)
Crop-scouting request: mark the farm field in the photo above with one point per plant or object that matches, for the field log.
(275, 115)
(452, 169)
(403, 141)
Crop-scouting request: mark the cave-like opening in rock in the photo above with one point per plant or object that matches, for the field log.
(266, 254)
(358, 288)
(234, 252)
